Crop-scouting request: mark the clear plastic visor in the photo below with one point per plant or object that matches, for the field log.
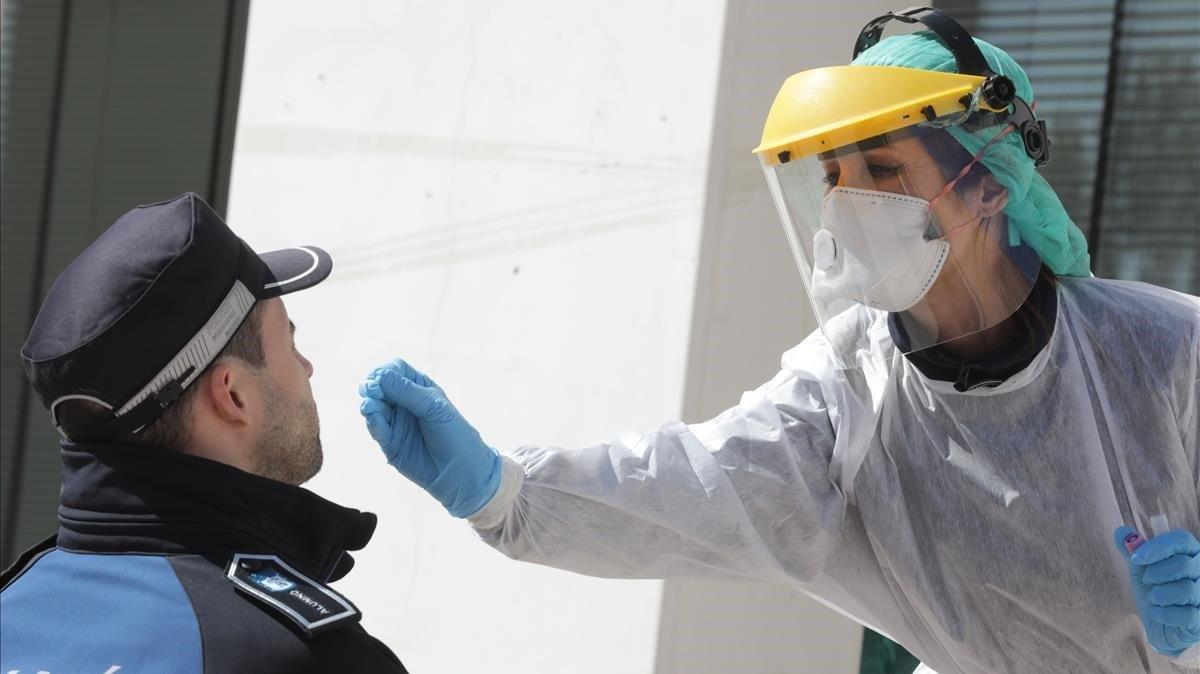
(898, 244)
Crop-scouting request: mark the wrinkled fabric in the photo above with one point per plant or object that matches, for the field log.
(1034, 211)
(973, 528)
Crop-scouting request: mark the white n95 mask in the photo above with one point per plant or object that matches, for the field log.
(864, 236)
(872, 249)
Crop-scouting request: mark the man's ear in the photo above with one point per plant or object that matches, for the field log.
(227, 389)
(987, 197)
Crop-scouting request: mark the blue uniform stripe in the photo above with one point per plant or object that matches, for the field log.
(73, 612)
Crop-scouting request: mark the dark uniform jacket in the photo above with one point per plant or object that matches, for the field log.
(166, 562)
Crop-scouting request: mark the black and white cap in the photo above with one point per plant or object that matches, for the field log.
(141, 313)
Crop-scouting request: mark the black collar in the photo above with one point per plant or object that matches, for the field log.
(940, 364)
(122, 499)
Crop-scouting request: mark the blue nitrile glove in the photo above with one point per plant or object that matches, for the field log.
(427, 440)
(1165, 571)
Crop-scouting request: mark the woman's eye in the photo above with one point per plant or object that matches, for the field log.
(831, 179)
(879, 170)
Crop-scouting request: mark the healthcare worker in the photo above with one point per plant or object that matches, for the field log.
(984, 453)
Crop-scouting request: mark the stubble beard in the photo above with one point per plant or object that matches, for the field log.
(290, 448)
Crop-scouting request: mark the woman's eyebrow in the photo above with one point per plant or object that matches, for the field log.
(876, 151)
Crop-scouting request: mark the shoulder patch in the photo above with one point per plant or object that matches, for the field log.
(269, 580)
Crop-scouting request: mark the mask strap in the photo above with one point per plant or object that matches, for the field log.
(966, 169)
(1009, 128)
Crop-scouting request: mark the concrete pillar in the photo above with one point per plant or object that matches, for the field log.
(749, 307)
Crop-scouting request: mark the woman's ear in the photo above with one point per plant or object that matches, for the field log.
(987, 197)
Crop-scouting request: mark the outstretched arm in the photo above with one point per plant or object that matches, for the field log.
(746, 494)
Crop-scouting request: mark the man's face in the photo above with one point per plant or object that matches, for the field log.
(289, 448)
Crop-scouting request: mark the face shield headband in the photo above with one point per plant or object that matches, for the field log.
(997, 90)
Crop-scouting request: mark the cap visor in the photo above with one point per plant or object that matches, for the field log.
(293, 269)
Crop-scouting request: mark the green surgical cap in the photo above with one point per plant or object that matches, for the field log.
(1035, 214)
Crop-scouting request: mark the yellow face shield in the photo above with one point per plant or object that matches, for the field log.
(899, 234)
(826, 108)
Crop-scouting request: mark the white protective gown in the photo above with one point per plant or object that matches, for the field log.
(974, 528)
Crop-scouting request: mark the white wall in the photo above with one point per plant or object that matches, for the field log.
(512, 195)
(551, 208)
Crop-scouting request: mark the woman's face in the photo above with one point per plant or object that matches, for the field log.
(900, 166)
(967, 294)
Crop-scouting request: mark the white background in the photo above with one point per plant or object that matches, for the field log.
(515, 195)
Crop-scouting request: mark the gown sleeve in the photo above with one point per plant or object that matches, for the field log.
(748, 494)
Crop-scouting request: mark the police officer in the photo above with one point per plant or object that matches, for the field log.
(168, 363)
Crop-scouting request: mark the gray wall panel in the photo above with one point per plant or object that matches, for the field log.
(32, 34)
(148, 101)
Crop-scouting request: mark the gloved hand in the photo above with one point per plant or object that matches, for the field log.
(427, 440)
(1165, 571)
